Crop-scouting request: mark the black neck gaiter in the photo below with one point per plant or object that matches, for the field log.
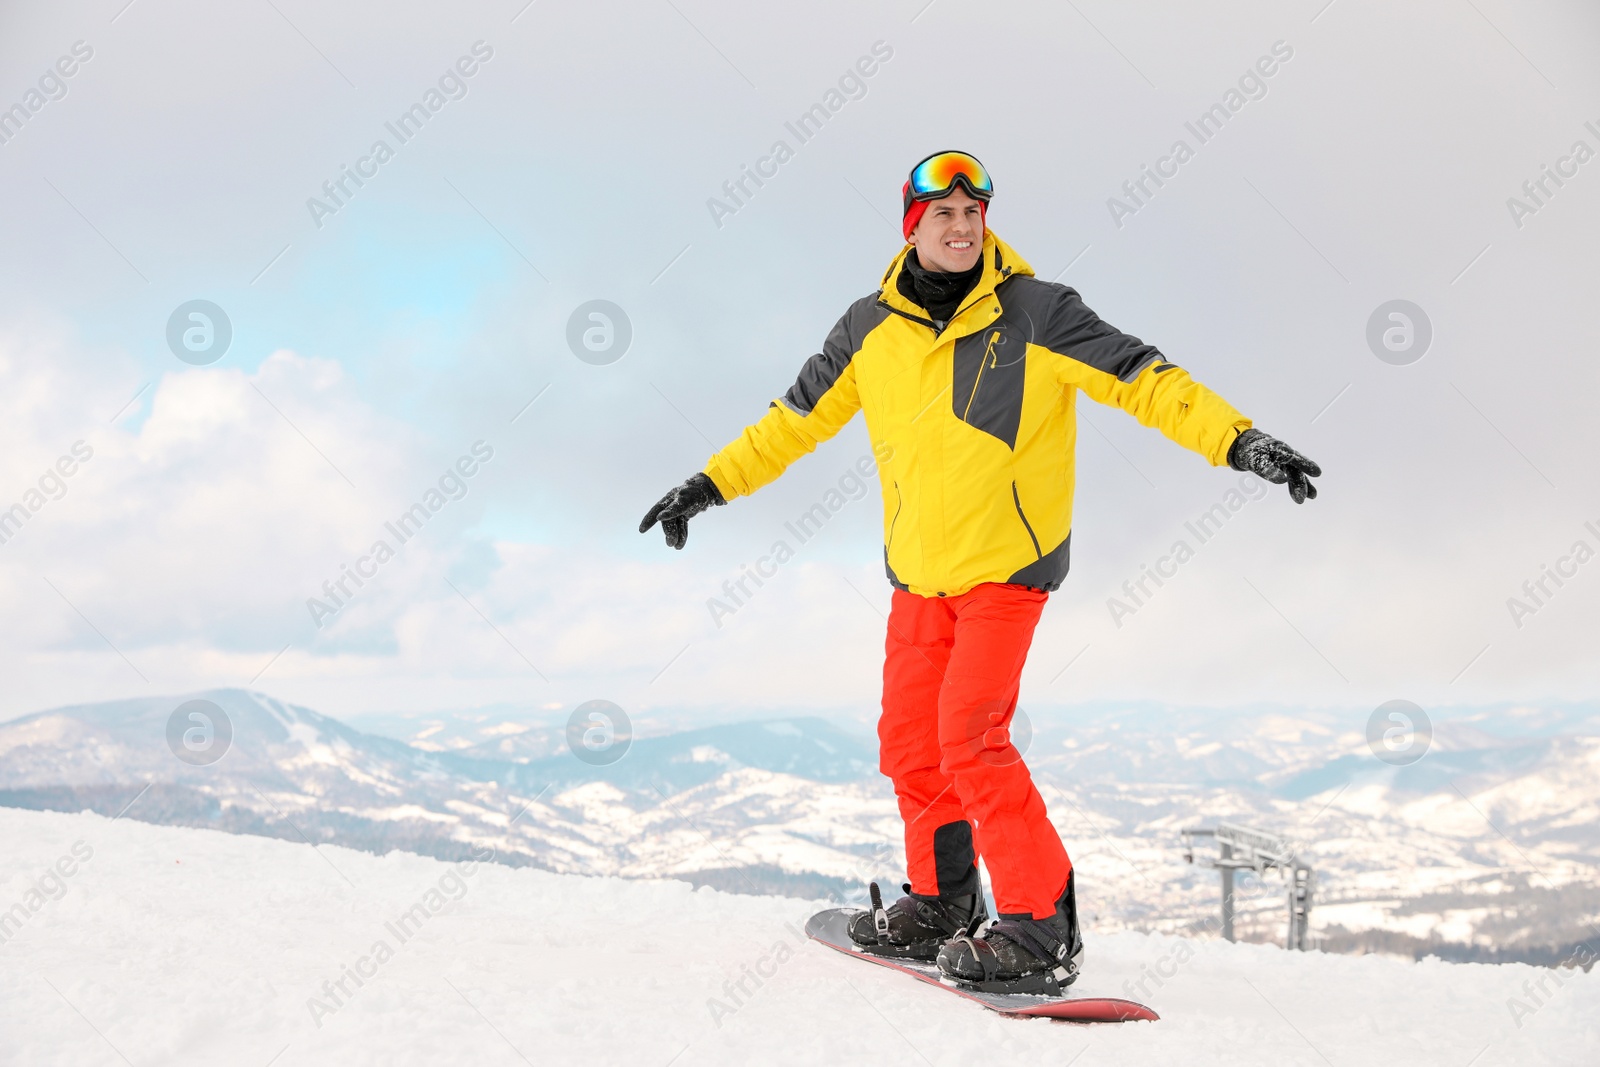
(939, 292)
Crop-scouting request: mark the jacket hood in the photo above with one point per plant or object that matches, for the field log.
(999, 259)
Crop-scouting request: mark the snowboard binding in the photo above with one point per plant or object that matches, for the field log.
(1061, 964)
(913, 927)
(1019, 954)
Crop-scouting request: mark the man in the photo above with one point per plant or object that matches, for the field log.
(967, 368)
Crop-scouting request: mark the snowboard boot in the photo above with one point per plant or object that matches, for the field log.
(1019, 954)
(914, 926)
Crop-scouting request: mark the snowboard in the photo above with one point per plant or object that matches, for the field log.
(830, 928)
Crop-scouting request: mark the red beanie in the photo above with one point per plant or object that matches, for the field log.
(916, 208)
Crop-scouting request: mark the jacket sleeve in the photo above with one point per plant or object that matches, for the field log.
(819, 403)
(1118, 369)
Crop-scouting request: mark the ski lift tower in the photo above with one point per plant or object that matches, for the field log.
(1241, 848)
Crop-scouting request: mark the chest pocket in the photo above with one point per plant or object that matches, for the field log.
(989, 369)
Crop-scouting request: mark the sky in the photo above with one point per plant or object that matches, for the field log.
(389, 336)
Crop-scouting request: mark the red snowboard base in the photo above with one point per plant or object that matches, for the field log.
(829, 927)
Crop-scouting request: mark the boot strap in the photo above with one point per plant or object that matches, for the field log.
(939, 918)
(982, 953)
(1037, 937)
(880, 916)
(1048, 984)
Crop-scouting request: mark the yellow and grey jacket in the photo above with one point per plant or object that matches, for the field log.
(974, 424)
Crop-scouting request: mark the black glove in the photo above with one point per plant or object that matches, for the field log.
(679, 506)
(1276, 462)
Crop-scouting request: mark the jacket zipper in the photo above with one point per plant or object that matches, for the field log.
(1004, 274)
(990, 358)
(940, 328)
(929, 323)
(1018, 501)
(981, 298)
(934, 326)
(899, 503)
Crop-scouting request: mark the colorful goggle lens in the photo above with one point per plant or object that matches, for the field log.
(935, 176)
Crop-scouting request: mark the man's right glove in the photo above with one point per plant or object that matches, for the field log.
(1276, 462)
(679, 506)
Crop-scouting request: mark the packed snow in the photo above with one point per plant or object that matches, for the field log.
(128, 943)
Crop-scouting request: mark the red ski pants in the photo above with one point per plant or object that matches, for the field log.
(951, 672)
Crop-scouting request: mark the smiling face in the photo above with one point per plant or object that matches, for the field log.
(949, 236)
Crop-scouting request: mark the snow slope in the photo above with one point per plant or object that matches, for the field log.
(1488, 847)
(184, 946)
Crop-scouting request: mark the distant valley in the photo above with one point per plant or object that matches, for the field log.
(1487, 848)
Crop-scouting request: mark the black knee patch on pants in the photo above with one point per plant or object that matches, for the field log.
(953, 861)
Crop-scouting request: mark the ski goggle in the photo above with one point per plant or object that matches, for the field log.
(937, 177)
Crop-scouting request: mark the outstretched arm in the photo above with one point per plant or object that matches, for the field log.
(822, 399)
(1119, 369)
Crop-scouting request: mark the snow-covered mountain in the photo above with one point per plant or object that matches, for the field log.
(713, 805)
(125, 943)
(1485, 849)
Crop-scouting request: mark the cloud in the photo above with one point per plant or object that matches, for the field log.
(217, 505)
(371, 354)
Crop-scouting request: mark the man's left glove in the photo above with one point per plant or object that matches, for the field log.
(1276, 462)
(679, 506)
